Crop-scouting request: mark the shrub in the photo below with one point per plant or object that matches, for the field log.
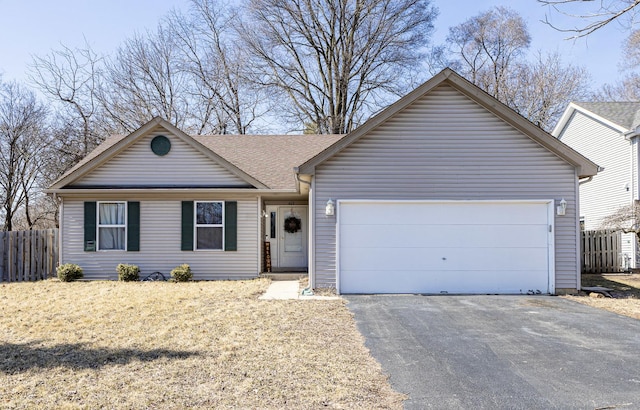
(128, 273)
(69, 272)
(182, 273)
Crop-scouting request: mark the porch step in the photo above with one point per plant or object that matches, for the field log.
(283, 275)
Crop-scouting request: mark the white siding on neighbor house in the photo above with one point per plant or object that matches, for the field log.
(612, 188)
(445, 146)
(629, 241)
(634, 169)
(160, 228)
(139, 166)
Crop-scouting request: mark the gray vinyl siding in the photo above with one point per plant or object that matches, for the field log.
(139, 166)
(160, 223)
(445, 146)
(607, 192)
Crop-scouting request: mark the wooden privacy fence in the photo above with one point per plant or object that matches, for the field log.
(602, 252)
(28, 255)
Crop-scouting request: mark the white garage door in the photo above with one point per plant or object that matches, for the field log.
(445, 247)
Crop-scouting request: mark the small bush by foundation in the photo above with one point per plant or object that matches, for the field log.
(69, 272)
(182, 273)
(128, 273)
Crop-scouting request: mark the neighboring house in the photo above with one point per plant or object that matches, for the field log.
(445, 191)
(605, 132)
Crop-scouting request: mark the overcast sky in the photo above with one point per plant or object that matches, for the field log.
(35, 27)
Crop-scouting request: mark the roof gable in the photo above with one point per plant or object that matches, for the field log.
(114, 151)
(448, 76)
(259, 161)
(621, 116)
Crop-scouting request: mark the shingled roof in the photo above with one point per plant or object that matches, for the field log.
(268, 158)
(623, 113)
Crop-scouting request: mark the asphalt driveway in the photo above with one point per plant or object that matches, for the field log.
(502, 352)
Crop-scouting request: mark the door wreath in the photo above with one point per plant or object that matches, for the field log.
(292, 224)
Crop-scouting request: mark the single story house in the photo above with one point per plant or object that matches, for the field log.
(606, 132)
(445, 191)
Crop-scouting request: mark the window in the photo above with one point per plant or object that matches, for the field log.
(209, 225)
(112, 226)
(273, 225)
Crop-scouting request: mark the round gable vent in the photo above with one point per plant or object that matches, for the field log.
(160, 145)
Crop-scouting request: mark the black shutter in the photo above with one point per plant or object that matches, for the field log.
(89, 226)
(133, 226)
(187, 226)
(230, 226)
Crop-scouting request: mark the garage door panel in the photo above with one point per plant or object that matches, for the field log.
(443, 235)
(446, 213)
(449, 246)
(487, 282)
(444, 259)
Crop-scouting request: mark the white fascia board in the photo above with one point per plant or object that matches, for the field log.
(169, 193)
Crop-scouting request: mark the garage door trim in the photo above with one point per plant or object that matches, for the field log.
(550, 232)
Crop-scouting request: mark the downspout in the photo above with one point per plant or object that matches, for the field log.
(59, 202)
(630, 136)
(308, 291)
(588, 179)
(578, 232)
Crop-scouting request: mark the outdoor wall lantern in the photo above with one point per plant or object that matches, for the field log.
(330, 209)
(562, 208)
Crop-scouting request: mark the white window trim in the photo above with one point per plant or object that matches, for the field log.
(196, 226)
(98, 225)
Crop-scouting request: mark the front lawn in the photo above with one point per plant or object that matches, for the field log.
(626, 293)
(180, 345)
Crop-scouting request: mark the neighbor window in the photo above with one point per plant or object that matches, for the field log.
(112, 226)
(209, 225)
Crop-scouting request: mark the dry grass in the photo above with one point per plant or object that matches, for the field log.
(626, 293)
(190, 345)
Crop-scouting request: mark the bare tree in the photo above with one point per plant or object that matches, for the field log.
(626, 219)
(336, 61)
(628, 87)
(490, 50)
(23, 138)
(541, 90)
(70, 78)
(595, 15)
(221, 88)
(487, 48)
(631, 51)
(146, 78)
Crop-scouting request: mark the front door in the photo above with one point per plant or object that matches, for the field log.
(293, 236)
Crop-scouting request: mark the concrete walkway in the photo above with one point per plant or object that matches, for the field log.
(288, 290)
